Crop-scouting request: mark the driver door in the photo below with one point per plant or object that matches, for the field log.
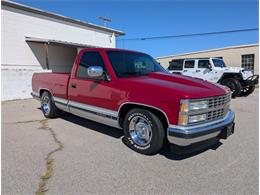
(84, 91)
(204, 70)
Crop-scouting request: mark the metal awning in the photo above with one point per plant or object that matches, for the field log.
(57, 42)
(47, 42)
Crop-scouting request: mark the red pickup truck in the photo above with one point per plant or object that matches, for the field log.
(131, 91)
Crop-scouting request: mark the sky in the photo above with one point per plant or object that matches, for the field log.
(139, 19)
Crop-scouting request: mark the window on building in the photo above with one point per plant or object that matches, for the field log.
(203, 64)
(89, 59)
(248, 61)
(189, 64)
(176, 65)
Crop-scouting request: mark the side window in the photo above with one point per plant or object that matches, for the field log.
(189, 64)
(176, 65)
(89, 59)
(203, 64)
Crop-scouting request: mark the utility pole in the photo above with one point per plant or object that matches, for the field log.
(105, 20)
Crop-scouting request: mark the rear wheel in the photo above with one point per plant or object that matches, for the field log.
(247, 91)
(234, 85)
(144, 132)
(48, 107)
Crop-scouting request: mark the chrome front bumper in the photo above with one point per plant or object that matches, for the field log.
(184, 136)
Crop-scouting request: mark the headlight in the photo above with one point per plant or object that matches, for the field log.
(197, 118)
(198, 105)
(187, 109)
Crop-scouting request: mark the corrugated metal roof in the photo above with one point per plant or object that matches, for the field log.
(59, 17)
(210, 50)
(57, 42)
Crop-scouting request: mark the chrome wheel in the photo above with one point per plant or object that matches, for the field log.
(46, 105)
(140, 130)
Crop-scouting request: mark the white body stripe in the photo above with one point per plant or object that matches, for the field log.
(97, 114)
(60, 100)
(93, 108)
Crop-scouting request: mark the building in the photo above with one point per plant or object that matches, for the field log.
(246, 56)
(34, 40)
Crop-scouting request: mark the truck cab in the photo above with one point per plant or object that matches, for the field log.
(241, 82)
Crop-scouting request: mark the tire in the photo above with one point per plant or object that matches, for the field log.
(234, 85)
(247, 91)
(144, 132)
(48, 107)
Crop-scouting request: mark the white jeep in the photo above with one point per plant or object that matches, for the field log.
(241, 82)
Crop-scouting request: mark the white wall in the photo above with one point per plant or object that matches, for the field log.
(20, 59)
(16, 82)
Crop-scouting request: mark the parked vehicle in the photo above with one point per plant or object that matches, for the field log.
(241, 82)
(131, 91)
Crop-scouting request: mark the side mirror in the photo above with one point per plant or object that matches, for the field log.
(95, 71)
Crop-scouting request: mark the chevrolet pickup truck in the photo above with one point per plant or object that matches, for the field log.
(131, 91)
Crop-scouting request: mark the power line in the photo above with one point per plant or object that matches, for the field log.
(190, 35)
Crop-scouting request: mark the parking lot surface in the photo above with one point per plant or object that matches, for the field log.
(71, 155)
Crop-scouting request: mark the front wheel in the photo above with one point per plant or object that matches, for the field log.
(234, 85)
(144, 132)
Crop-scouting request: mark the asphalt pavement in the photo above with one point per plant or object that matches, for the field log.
(71, 155)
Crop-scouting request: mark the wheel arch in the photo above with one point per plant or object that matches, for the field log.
(237, 76)
(124, 109)
(42, 90)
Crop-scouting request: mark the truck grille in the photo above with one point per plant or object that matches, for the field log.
(215, 102)
(218, 107)
(216, 114)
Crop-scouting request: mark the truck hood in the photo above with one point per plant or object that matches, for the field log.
(232, 69)
(245, 73)
(183, 86)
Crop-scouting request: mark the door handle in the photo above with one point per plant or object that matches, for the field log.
(73, 85)
(197, 70)
(185, 70)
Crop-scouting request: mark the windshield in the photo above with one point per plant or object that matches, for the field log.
(219, 63)
(127, 64)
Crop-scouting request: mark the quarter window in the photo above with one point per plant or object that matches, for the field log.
(248, 62)
(89, 59)
(189, 64)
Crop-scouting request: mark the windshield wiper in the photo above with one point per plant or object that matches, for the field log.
(133, 73)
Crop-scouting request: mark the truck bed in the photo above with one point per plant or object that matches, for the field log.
(56, 83)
